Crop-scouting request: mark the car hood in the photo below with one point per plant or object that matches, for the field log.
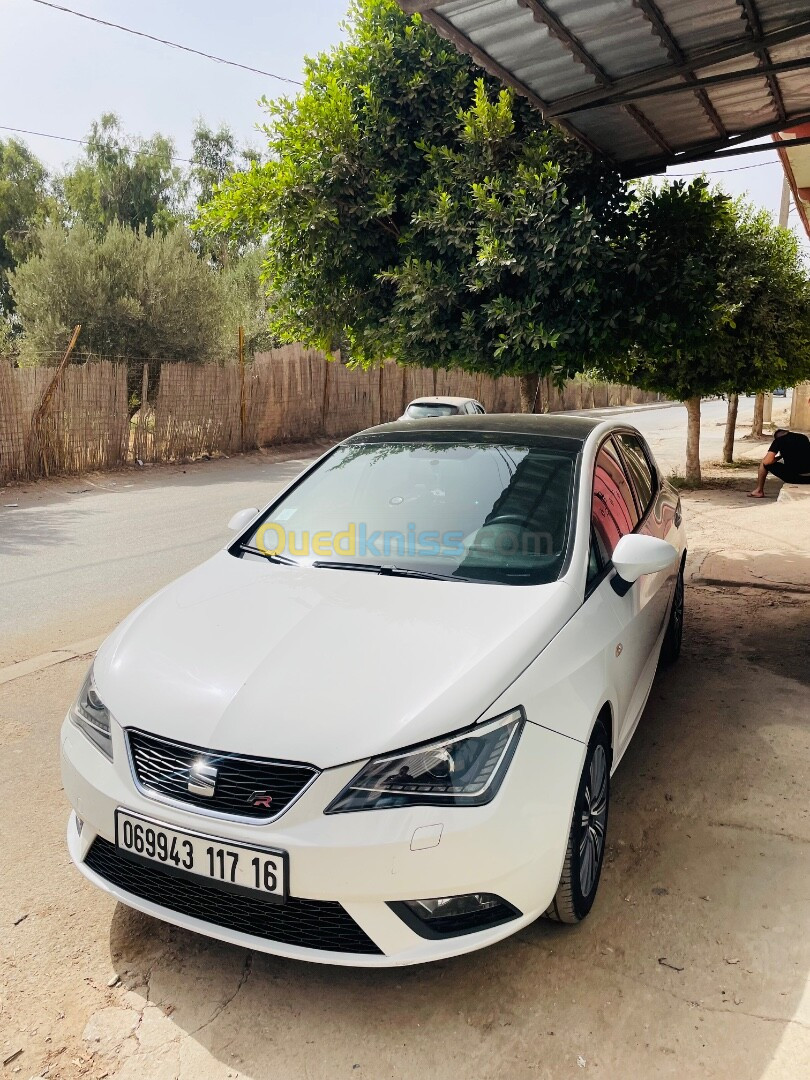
(322, 666)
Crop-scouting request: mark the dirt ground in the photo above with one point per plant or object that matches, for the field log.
(694, 962)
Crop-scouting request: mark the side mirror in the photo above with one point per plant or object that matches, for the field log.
(241, 518)
(636, 555)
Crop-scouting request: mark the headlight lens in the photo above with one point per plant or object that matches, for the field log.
(466, 769)
(92, 717)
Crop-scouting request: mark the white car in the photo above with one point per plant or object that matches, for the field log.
(378, 728)
(430, 408)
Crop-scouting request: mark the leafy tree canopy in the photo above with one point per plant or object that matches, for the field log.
(121, 181)
(730, 298)
(413, 208)
(140, 296)
(729, 290)
(24, 204)
(215, 157)
(770, 338)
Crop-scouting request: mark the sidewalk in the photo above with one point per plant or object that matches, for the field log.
(742, 542)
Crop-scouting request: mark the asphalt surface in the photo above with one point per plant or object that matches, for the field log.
(76, 555)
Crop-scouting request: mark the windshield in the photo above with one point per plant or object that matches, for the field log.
(425, 409)
(482, 511)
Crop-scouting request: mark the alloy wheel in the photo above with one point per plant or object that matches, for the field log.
(677, 615)
(593, 821)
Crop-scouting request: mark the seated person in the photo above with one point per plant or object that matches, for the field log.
(788, 458)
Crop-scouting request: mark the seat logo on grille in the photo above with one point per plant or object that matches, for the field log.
(202, 778)
(260, 798)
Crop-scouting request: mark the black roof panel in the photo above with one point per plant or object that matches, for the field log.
(557, 425)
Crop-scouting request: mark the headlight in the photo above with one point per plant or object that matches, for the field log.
(92, 717)
(462, 770)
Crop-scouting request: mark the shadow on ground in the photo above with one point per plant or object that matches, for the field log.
(694, 961)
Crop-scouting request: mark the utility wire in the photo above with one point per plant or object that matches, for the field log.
(716, 172)
(171, 44)
(68, 138)
(670, 176)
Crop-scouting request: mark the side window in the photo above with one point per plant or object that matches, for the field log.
(639, 468)
(613, 509)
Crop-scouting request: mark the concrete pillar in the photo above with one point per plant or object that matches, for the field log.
(767, 409)
(800, 408)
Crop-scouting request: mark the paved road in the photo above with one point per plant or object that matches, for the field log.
(76, 555)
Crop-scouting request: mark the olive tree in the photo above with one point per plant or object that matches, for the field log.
(135, 295)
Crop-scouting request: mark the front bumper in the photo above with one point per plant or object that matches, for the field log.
(513, 847)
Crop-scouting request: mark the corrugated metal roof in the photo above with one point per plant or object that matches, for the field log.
(628, 76)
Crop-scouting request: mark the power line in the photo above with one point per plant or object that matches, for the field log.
(670, 176)
(171, 44)
(67, 138)
(716, 172)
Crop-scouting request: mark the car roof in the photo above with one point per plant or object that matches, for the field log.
(544, 425)
(441, 400)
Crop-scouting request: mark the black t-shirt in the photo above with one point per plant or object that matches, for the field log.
(794, 449)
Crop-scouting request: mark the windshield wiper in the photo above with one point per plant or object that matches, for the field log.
(270, 556)
(384, 570)
(331, 564)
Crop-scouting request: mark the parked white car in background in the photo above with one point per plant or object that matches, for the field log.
(429, 408)
(379, 727)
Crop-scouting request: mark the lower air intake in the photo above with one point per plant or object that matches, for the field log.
(311, 924)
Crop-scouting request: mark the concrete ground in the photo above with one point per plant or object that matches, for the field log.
(694, 962)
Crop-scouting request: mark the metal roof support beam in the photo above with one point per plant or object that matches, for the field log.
(728, 79)
(717, 54)
(716, 149)
(446, 29)
(542, 15)
(653, 16)
(755, 27)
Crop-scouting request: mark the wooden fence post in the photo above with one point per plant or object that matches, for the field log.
(242, 398)
(42, 408)
(143, 431)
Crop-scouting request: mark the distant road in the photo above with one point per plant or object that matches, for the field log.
(76, 555)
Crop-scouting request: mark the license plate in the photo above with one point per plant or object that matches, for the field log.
(232, 867)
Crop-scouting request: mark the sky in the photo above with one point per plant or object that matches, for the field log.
(58, 73)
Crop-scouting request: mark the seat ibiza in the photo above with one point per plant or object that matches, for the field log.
(379, 726)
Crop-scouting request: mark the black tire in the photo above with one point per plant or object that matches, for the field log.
(673, 638)
(585, 853)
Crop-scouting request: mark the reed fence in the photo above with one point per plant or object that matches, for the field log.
(186, 411)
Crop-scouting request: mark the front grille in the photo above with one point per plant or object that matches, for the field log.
(163, 767)
(312, 924)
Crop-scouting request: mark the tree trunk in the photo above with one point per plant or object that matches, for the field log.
(731, 426)
(759, 410)
(693, 440)
(528, 392)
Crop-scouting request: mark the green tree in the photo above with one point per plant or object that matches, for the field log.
(414, 209)
(247, 303)
(687, 242)
(131, 182)
(719, 279)
(135, 295)
(770, 337)
(215, 157)
(25, 203)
